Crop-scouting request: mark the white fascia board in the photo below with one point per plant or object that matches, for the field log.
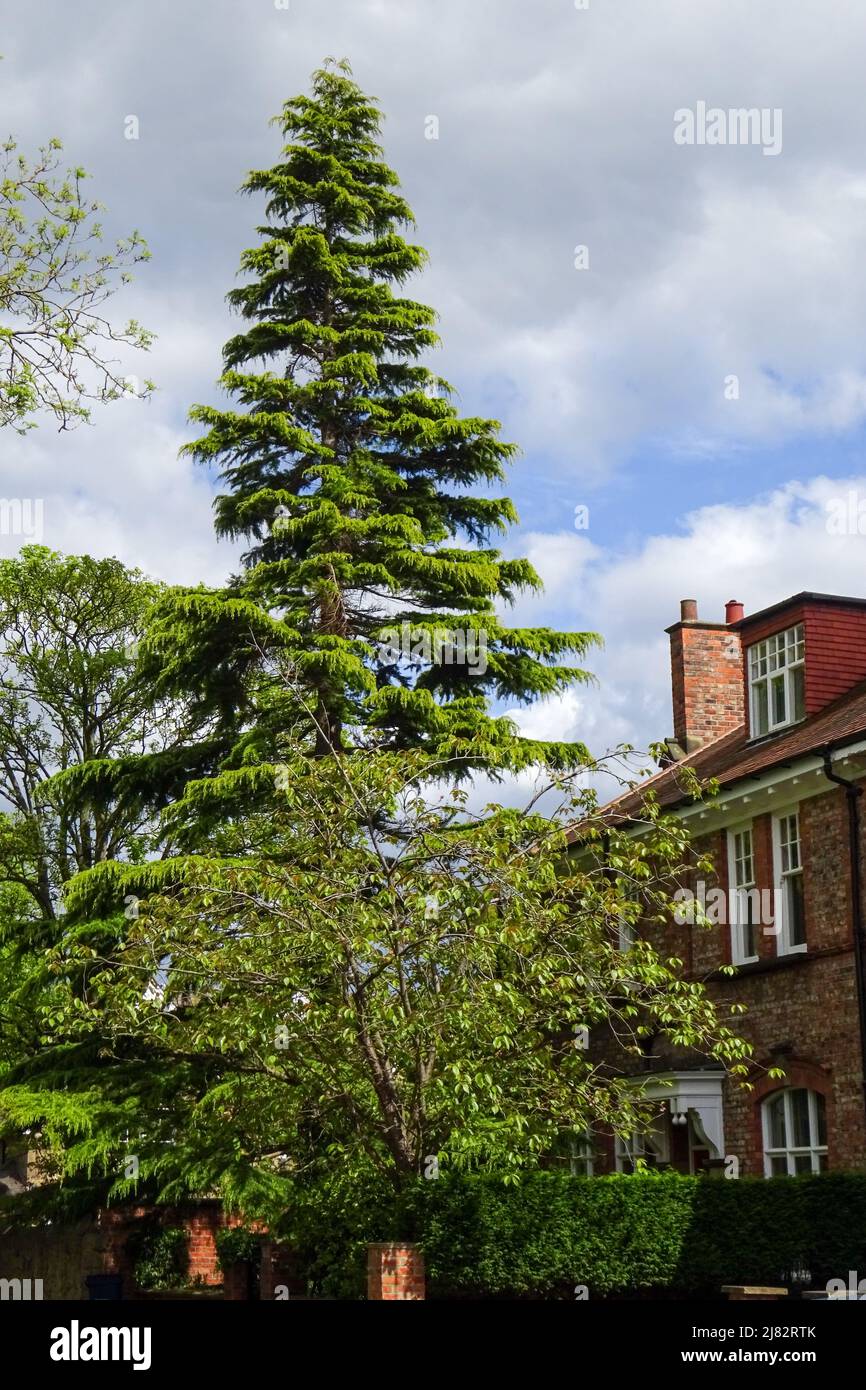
(751, 796)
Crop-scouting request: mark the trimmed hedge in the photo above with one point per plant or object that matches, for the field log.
(620, 1236)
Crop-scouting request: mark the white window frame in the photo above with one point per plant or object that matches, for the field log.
(778, 655)
(652, 1141)
(626, 934)
(581, 1161)
(781, 876)
(736, 891)
(626, 931)
(790, 1152)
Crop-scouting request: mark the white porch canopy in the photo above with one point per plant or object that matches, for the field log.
(691, 1093)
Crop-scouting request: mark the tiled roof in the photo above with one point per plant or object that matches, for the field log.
(729, 759)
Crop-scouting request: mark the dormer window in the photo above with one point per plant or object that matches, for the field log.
(777, 681)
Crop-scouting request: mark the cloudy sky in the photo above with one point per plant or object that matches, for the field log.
(699, 385)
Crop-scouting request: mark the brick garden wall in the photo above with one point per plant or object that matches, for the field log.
(63, 1256)
(201, 1222)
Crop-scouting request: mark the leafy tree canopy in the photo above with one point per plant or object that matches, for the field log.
(351, 978)
(56, 274)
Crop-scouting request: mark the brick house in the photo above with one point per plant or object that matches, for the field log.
(772, 706)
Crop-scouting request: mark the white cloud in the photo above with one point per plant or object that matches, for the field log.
(759, 552)
(556, 130)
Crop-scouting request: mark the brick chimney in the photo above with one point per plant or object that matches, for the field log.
(706, 677)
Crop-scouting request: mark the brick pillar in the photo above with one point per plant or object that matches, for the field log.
(202, 1223)
(236, 1282)
(115, 1224)
(395, 1271)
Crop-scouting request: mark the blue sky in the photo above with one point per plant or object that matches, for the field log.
(555, 130)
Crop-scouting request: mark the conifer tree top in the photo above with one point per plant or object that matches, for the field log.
(368, 502)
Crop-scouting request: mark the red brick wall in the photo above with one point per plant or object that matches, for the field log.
(395, 1272)
(706, 682)
(802, 1009)
(835, 647)
(201, 1222)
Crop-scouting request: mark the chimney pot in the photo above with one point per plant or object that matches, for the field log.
(688, 610)
(734, 611)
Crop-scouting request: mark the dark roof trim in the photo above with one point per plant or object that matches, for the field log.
(804, 597)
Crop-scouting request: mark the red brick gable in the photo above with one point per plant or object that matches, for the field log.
(835, 631)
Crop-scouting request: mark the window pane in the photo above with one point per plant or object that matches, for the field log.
(747, 920)
(749, 941)
(777, 680)
(798, 692)
(776, 1122)
(796, 910)
(789, 834)
(743, 863)
(822, 1119)
(800, 1119)
(761, 715)
(800, 639)
(582, 1156)
(795, 1129)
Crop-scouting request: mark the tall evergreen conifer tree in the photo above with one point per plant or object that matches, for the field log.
(352, 477)
(295, 1000)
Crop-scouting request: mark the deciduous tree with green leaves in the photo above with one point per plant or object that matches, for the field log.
(56, 273)
(352, 978)
(73, 701)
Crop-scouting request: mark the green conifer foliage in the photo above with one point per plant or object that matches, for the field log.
(367, 501)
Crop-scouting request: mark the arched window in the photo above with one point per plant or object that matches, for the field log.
(795, 1133)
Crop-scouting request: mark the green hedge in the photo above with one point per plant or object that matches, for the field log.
(159, 1256)
(235, 1244)
(619, 1236)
